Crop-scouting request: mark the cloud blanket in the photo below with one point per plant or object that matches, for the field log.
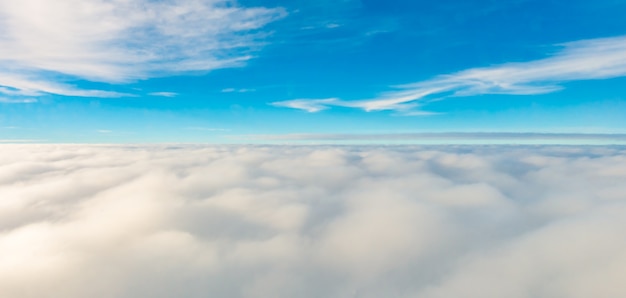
(281, 221)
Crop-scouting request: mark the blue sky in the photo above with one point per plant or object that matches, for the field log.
(223, 71)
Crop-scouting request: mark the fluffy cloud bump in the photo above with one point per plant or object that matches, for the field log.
(237, 221)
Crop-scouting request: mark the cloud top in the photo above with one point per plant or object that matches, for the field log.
(245, 221)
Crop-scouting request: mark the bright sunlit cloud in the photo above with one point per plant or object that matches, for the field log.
(245, 221)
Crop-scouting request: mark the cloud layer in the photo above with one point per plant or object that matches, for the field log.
(233, 221)
(43, 43)
(582, 60)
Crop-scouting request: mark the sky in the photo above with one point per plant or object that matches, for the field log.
(217, 148)
(263, 71)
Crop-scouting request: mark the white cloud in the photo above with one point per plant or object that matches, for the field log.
(121, 40)
(22, 87)
(582, 60)
(245, 221)
(309, 105)
(164, 94)
(232, 90)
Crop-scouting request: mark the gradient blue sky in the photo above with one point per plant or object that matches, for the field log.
(223, 71)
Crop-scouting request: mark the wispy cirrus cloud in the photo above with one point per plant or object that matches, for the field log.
(20, 87)
(591, 59)
(309, 105)
(117, 41)
(235, 90)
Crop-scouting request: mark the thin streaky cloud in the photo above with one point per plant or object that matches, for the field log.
(15, 92)
(591, 59)
(17, 85)
(309, 105)
(164, 94)
(235, 90)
